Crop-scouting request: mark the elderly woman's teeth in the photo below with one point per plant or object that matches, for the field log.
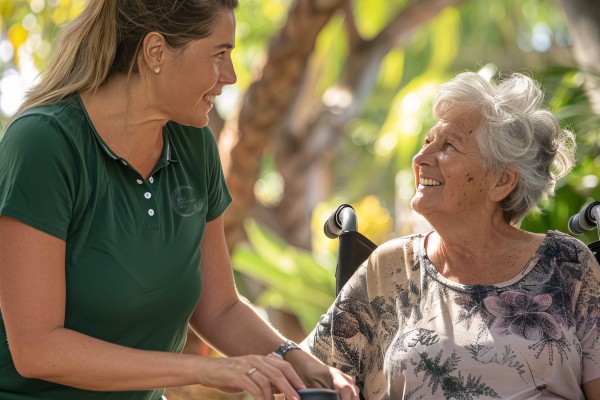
(430, 182)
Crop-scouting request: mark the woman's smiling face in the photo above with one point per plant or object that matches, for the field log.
(192, 78)
(449, 173)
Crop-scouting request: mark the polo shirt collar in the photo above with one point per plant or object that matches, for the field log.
(168, 153)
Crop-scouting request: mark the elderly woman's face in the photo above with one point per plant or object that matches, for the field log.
(449, 176)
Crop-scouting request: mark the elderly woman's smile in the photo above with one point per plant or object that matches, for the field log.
(429, 182)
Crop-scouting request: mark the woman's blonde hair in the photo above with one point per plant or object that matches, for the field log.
(106, 37)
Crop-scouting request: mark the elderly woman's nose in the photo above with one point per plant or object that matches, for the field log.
(424, 156)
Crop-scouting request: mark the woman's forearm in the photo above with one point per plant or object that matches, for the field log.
(70, 358)
(225, 330)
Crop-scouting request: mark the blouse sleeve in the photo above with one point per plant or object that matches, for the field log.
(587, 316)
(342, 333)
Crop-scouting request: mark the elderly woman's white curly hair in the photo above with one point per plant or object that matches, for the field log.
(517, 132)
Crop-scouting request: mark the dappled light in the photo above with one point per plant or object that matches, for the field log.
(332, 101)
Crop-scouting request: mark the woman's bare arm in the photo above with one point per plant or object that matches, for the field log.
(591, 389)
(231, 325)
(32, 299)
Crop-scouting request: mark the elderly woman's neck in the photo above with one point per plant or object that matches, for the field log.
(491, 254)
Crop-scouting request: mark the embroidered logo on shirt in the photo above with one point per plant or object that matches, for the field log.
(185, 202)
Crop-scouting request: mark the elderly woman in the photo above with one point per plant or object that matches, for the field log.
(476, 308)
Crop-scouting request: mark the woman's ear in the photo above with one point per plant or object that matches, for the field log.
(505, 184)
(153, 49)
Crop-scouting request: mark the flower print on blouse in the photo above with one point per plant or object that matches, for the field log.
(406, 332)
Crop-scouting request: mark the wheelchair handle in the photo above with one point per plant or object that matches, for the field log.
(343, 219)
(585, 220)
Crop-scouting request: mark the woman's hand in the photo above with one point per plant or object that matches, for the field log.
(315, 374)
(260, 376)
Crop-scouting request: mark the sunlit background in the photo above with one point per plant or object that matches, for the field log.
(369, 164)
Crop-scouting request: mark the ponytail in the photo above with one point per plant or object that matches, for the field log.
(81, 59)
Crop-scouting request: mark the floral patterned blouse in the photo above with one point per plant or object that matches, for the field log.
(406, 332)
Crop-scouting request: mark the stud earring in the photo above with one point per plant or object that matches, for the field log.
(156, 70)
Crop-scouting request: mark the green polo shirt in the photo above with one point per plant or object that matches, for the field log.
(132, 244)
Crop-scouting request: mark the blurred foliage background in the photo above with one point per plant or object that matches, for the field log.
(368, 163)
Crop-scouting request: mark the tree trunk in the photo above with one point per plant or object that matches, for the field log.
(265, 106)
(305, 155)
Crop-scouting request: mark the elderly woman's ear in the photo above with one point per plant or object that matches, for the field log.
(505, 183)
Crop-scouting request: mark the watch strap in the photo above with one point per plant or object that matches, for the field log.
(285, 347)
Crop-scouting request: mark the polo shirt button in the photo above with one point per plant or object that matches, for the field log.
(147, 195)
(124, 162)
(151, 180)
(139, 181)
(151, 212)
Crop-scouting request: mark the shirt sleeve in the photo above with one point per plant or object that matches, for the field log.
(587, 316)
(219, 197)
(37, 179)
(340, 337)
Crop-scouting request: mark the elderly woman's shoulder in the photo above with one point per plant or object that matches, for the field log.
(400, 246)
(561, 243)
(564, 238)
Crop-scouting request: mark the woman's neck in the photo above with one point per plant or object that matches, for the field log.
(485, 256)
(125, 122)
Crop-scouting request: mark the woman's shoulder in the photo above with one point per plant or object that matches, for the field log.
(557, 239)
(400, 250)
(190, 141)
(400, 243)
(569, 253)
(392, 264)
(37, 122)
(53, 111)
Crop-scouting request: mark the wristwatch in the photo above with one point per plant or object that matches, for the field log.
(285, 347)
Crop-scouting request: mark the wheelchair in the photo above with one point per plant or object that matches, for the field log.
(354, 248)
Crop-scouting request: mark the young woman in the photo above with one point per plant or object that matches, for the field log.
(111, 227)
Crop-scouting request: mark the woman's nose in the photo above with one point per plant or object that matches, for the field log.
(227, 72)
(425, 156)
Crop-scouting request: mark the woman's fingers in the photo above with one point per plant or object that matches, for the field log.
(259, 386)
(274, 372)
(288, 372)
(260, 376)
(345, 385)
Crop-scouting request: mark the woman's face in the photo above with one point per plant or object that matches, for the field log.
(449, 176)
(191, 78)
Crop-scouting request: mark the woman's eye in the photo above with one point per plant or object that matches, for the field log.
(218, 58)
